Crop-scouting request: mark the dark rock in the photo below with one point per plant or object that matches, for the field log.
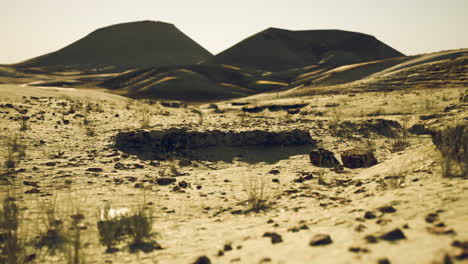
(393, 235)
(429, 117)
(420, 129)
(50, 163)
(31, 183)
(323, 158)
(227, 247)
(184, 184)
(370, 215)
(450, 108)
(432, 217)
(371, 239)
(383, 261)
(202, 260)
(358, 249)
(165, 181)
(33, 190)
(94, 169)
(275, 238)
(387, 209)
(253, 110)
(358, 158)
(274, 172)
(320, 240)
(138, 185)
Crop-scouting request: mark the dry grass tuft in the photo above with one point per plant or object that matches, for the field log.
(452, 143)
(257, 197)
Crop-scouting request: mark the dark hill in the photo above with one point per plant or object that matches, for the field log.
(278, 49)
(128, 45)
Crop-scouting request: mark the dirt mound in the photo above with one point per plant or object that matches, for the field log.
(128, 45)
(277, 49)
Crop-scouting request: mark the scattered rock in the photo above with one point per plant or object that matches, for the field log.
(370, 215)
(358, 158)
(440, 230)
(432, 217)
(275, 238)
(387, 209)
(33, 190)
(94, 169)
(165, 181)
(393, 235)
(31, 183)
(371, 239)
(202, 260)
(358, 249)
(320, 240)
(383, 261)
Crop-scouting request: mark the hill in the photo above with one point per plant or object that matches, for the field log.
(278, 49)
(191, 83)
(125, 46)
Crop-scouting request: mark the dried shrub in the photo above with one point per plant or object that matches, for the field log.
(452, 143)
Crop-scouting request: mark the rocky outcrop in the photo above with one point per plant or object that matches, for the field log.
(358, 158)
(159, 144)
(323, 158)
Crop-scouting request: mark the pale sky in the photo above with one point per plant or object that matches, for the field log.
(30, 28)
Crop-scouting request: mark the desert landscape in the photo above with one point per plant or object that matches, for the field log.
(309, 146)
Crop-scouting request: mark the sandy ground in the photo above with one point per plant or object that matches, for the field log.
(202, 219)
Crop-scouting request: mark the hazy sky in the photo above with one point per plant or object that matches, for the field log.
(34, 27)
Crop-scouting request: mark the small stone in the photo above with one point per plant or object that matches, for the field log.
(165, 181)
(370, 215)
(393, 235)
(432, 217)
(275, 238)
(184, 184)
(227, 247)
(441, 230)
(50, 163)
(371, 239)
(202, 260)
(33, 190)
(387, 209)
(383, 261)
(94, 169)
(320, 240)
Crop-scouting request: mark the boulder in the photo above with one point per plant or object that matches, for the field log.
(358, 158)
(323, 158)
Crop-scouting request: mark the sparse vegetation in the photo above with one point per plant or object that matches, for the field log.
(144, 114)
(23, 122)
(137, 227)
(401, 139)
(258, 198)
(11, 224)
(200, 116)
(452, 143)
(53, 237)
(14, 151)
